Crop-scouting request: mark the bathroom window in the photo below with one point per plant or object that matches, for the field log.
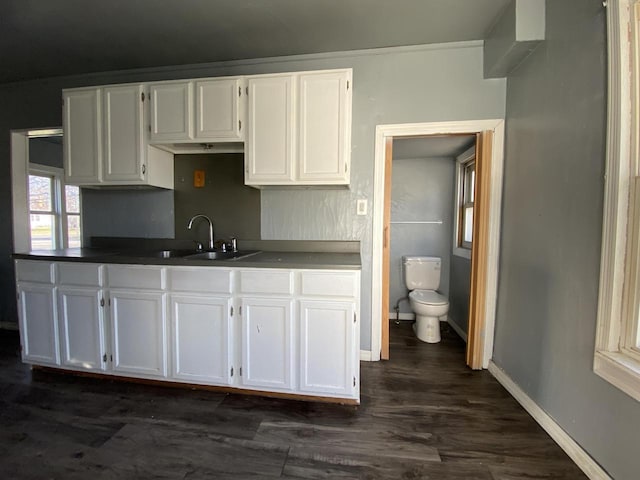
(54, 210)
(617, 352)
(465, 193)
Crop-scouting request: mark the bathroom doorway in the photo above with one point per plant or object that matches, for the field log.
(486, 223)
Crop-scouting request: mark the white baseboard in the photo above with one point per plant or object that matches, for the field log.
(8, 326)
(365, 355)
(581, 458)
(458, 330)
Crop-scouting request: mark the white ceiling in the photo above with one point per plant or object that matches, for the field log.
(60, 37)
(431, 147)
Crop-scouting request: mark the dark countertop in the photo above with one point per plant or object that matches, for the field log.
(263, 259)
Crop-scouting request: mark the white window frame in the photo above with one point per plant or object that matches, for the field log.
(462, 161)
(58, 201)
(620, 260)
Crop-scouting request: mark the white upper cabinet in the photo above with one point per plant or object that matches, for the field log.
(324, 127)
(171, 111)
(207, 110)
(219, 109)
(104, 139)
(82, 135)
(299, 129)
(124, 152)
(270, 146)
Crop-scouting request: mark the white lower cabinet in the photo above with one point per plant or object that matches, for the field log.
(38, 323)
(200, 327)
(82, 332)
(327, 356)
(289, 331)
(139, 333)
(267, 343)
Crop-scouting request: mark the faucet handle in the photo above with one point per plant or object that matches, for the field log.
(199, 247)
(234, 244)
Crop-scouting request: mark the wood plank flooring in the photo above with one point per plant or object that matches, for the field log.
(424, 415)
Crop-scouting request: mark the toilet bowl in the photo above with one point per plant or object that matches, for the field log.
(422, 277)
(429, 306)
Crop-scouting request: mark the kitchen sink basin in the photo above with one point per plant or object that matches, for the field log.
(221, 255)
(171, 253)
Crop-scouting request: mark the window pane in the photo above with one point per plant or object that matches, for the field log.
(42, 228)
(472, 184)
(40, 193)
(73, 231)
(468, 224)
(72, 196)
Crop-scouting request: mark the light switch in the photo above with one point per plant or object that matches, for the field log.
(361, 206)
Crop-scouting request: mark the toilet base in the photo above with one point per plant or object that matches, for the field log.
(427, 329)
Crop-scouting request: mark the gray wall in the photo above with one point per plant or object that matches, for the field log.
(551, 231)
(421, 190)
(44, 152)
(418, 84)
(459, 289)
(233, 207)
(127, 213)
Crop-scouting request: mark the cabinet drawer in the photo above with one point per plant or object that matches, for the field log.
(81, 274)
(266, 281)
(34, 271)
(205, 279)
(329, 284)
(136, 276)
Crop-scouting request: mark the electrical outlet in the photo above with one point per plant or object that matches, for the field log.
(361, 206)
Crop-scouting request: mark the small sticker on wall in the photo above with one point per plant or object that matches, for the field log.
(198, 178)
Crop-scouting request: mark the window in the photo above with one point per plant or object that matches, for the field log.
(465, 192)
(617, 353)
(54, 210)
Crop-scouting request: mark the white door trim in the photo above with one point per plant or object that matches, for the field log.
(19, 194)
(495, 204)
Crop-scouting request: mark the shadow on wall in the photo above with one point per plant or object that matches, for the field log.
(233, 207)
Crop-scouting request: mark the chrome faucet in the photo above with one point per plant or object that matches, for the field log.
(210, 227)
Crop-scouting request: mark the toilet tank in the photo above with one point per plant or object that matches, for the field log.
(421, 272)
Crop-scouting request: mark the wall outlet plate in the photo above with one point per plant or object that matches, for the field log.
(198, 178)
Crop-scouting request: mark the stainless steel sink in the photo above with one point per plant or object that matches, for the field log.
(171, 253)
(221, 255)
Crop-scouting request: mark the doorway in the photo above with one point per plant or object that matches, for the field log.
(484, 270)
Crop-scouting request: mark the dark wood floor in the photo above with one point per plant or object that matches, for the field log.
(424, 415)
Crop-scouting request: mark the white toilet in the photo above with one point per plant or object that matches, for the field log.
(422, 277)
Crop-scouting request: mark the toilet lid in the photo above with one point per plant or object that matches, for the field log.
(428, 296)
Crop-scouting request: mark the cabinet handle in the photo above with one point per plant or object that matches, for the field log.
(232, 371)
(144, 169)
(102, 305)
(104, 358)
(232, 316)
(354, 381)
(240, 311)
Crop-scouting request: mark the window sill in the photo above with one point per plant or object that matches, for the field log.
(620, 370)
(462, 252)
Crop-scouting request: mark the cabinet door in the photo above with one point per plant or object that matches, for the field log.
(270, 145)
(324, 123)
(267, 343)
(138, 327)
(81, 314)
(327, 347)
(123, 133)
(38, 324)
(218, 109)
(201, 339)
(171, 112)
(82, 142)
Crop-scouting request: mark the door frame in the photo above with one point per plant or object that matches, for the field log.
(472, 127)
